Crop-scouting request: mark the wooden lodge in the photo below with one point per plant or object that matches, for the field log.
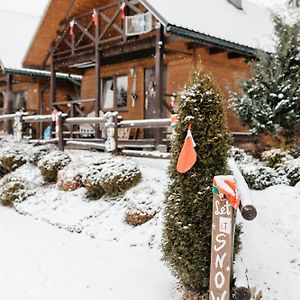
(134, 56)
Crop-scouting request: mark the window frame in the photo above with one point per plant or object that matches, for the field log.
(115, 107)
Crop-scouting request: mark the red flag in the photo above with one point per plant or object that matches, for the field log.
(123, 5)
(95, 17)
(188, 155)
(72, 23)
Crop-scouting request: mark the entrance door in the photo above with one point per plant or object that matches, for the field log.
(149, 104)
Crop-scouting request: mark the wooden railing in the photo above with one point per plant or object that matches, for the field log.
(71, 138)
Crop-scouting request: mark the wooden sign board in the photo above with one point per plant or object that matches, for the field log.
(221, 250)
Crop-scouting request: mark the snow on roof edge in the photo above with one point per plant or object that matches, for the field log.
(26, 71)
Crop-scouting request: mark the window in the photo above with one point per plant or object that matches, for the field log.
(20, 101)
(1, 103)
(115, 92)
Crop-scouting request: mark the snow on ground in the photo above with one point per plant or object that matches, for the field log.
(271, 243)
(63, 246)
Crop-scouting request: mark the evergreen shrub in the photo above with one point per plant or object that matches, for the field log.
(12, 190)
(188, 207)
(11, 159)
(51, 163)
(275, 158)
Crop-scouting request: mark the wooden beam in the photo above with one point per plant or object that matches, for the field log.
(98, 89)
(159, 75)
(8, 104)
(232, 55)
(52, 81)
(215, 50)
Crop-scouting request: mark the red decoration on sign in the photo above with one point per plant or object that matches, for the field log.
(188, 155)
(72, 23)
(123, 5)
(227, 186)
(95, 17)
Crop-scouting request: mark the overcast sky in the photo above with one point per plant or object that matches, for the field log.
(25, 16)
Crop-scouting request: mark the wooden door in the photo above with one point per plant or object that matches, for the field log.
(149, 100)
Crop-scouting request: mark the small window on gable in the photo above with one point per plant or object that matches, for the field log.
(114, 95)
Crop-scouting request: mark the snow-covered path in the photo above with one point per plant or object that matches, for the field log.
(271, 243)
(40, 262)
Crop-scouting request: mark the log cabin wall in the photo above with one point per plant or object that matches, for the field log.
(226, 73)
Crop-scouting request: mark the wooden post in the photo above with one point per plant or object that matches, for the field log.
(52, 81)
(97, 76)
(115, 120)
(8, 104)
(18, 126)
(221, 249)
(59, 131)
(159, 70)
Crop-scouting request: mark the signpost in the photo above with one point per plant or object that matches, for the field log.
(221, 250)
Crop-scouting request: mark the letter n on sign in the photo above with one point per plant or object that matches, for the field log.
(221, 250)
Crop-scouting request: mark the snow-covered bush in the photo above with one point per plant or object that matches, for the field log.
(51, 163)
(292, 171)
(11, 159)
(38, 152)
(70, 177)
(145, 202)
(119, 178)
(261, 177)
(242, 157)
(12, 190)
(112, 176)
(275, 158)
(3, 170)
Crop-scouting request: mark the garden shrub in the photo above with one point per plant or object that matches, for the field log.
(188, 210)
(12, 190)
(275, 158)
(261, 177)
(51, 163)
(292, 171)
(11, 159)
(39, 152)
(70, 177)
(111, 176)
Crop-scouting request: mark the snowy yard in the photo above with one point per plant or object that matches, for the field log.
(60, 245)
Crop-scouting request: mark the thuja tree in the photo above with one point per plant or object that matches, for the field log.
(188, 211)
(269, 102)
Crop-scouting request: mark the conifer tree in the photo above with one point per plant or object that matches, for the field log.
(270, 101)
(188, 211)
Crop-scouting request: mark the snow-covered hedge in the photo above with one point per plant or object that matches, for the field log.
(38, 152)
(70, 177)
(112, 176)
(275, 158)
(261, 177)
(11, 159)
(292, 171)
(12, 190)
(51, 163)
(144, 203)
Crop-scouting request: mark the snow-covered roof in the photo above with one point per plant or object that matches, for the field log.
(39, 73)
(217, 21)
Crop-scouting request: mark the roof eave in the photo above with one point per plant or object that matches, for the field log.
(210, 40)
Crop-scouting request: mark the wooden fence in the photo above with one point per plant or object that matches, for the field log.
(64, 135)
(111, 124)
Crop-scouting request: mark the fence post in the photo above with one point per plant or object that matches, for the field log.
(59, 131)
(18, 126)
(116, 135)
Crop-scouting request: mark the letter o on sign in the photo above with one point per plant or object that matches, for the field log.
(219, 280)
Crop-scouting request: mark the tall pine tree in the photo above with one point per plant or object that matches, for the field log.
(188, 211)
(270, 100)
